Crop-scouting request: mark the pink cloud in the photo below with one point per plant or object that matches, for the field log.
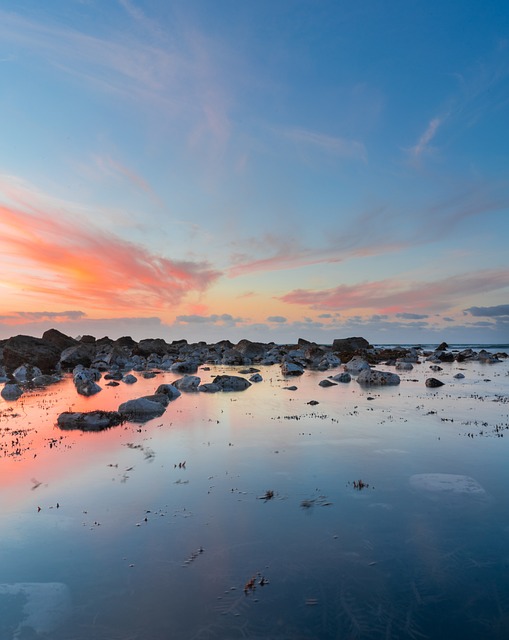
(46, 252)
(393, 296)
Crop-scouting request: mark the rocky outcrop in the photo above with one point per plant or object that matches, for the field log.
(89, 421)
(22, 349)
(58, 339)
(79, 354)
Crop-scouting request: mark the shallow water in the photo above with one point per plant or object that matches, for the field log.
(150, 548)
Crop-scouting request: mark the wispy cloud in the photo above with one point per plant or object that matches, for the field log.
(390, 296)
(48, 251)
(110, 167)
(342, 147)
(425, 139)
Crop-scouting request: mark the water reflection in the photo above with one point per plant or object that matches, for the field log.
(151, 548)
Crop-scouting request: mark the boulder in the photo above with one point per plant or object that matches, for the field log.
(433, 383)
(443, 346)
(187, 383)
(141, 409)
(231, 383)
(78, 354)
(356, 365)
(251, 350)
(44, 380)
(404, 366)
(152, 345)
(11, 392)
(373, 377)
(291, 369)
(89, 420)
(256, 377)
(459, 376)
(187, 366)
(20, 350)
(129, 379)
(342, 377)
(350, 345)
(327, 383)
(58, 339)
(209, 387)
(26, 373)
(168, 389)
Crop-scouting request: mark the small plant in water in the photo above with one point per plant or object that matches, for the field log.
(359, 484)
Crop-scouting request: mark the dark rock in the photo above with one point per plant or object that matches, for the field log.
(187, 383)
(209, 387)
(114, 375)
(251, 350)
(87, 339)
(432, 383)
(89, 421)
(446, 356)
(442, 347)
(44, 380)
(169, 389)
(141, 409)
(21, 349)
(152, 345)
(79, 354)
(231, 383)
(342, 377)
(125, 341)
(187, 366)
(350, 344)
(327, 383)
(373, 377)
(11, 392)
(58, 339)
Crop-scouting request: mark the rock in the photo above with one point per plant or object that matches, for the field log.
(256, 377)
(80, 354)
(291, 369)
(148, 375)
(442, 347)
(114, 375)
(446, 483)
(20, 350)
(342, 377)
(432, 383)
(44, 380)
(11, 392)
(292, 388)
(327, 383)
(350, 345)
(251, 350)
(404, 366)
(231, 383)
(445, 356)
(374, 377)
(356, 365)
(26, 373)
(89, 421)
(129, 379)
(162, 398)
(187, 366)
(209, 387)
(141, 409)
(435, 368)
(58, 339)
(149, 346)
(168, 389)
(459, 376)
(187, 383)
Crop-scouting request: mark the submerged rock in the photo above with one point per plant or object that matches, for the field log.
(187, 383)
(342, 377)
(168, 389)
(327, 383)
(89, 420)
(129, 379)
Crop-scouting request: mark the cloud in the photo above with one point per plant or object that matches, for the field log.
(489, 312)
(55, 253)
(111, 167)
(342, 147)
(276, 319)
(224, 319)
(427, 136)
(411, 316)
(388, 296)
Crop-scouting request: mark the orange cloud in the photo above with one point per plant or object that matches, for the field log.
(45, 252)
(389, 296)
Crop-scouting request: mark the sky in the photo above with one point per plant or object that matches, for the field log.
(269, 170)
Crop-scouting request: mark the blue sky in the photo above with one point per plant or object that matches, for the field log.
(222, 169)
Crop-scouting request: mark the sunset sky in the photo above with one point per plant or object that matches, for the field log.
(255, 169)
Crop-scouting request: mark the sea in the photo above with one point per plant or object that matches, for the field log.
(290, 510)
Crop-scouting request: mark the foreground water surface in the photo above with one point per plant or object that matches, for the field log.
(376, 513)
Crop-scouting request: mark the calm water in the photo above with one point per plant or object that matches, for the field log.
(131, 544)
